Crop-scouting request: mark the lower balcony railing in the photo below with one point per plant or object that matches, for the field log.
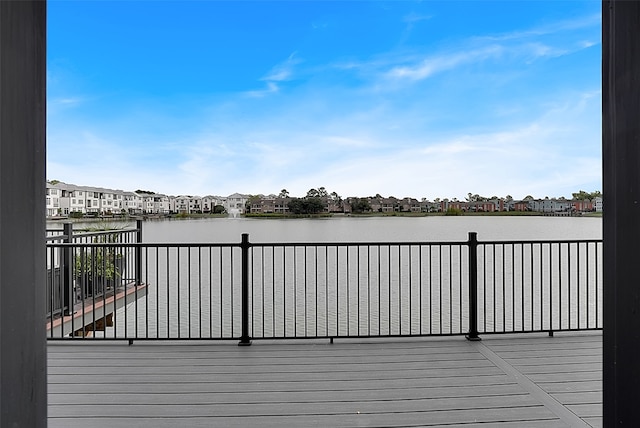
(245, 291)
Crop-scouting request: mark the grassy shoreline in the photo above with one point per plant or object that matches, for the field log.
(412, 214)
(322, 215)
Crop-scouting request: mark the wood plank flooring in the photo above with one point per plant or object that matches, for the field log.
(506, 381)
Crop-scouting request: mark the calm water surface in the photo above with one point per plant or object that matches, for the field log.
(372, 229)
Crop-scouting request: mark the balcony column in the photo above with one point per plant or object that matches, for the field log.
(621, 221)
(23, 382)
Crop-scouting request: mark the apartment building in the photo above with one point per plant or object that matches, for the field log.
(236, 203)
(64, 199)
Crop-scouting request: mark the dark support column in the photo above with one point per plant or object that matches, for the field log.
(245, 339)
(473, 287)
(23, 382)
(621, 179)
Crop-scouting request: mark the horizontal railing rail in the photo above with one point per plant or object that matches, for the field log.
(247, 291)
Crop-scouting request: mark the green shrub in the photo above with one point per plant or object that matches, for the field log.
(454, 211)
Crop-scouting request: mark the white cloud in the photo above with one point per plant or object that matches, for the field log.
(438, 63)
(555, 27)
(280, 73)
(416, 17)
(271, 88)
(284, 70)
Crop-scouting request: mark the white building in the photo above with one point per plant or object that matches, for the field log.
(182, 204)
(235, 203)
(161, 204)
(64, 199)
(209, 203)
(53, 201)
(195, 205)
(550, 205)
(597, 204)
(132, 203)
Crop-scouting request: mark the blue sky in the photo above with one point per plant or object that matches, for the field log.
(402, 98)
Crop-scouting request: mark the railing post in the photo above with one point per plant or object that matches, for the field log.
(66, 280)
(473, 287)
(138, 253)
(245, 340)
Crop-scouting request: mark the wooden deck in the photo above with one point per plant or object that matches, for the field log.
(92, 314)
(506, 381)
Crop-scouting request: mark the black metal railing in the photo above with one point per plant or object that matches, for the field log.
(87, 264)
(245, 291)
(539, 286)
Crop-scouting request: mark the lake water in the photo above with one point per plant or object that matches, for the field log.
(373, 229)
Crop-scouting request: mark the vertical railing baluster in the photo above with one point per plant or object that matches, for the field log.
(245, 340)
(138, 253)
(473, 287)
(67, 273)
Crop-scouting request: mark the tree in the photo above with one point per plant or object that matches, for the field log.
(283, 193)
(305, 205)
(360, 205)
(581, 195)
(253, 199)
(322, 192)
(475, 198)
(313, 193)
(586, 196)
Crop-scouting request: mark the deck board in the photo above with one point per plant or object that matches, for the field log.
(408, 382)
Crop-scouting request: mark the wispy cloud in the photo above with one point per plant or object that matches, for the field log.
(435, 64)
(555, 27)
(517, 47)
(414, 17)
(271, 88)
(280, 73)
(55, 105)
(284, 70)
(66, 101)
